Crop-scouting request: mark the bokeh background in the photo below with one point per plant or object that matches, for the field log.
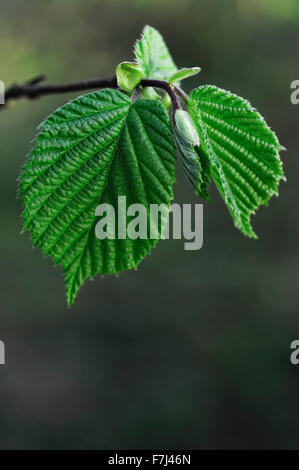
(192, 350)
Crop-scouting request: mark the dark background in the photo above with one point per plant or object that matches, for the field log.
(192, 350)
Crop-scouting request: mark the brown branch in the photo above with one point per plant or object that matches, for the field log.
(33, 89)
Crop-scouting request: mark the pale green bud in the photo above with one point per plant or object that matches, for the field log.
(128, 75)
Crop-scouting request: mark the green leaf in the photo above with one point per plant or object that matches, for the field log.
(90, 151)
(128, 75)
(242, 151)
(183, 73)
(191, 157)
(153, 56)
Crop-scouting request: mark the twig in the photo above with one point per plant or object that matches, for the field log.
(33, 89)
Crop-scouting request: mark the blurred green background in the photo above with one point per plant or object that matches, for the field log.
(192, 350)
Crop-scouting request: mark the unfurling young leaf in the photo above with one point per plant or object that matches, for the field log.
(185, 126)
(191, 157)
(241, 150)
(153, 56)
(128, 75)
(183, 73)
(90, 151)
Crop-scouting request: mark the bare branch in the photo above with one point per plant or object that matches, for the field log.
(33, 89)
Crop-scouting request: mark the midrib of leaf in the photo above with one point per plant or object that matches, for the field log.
(149, 144)
(144, 196)
(127, 243)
